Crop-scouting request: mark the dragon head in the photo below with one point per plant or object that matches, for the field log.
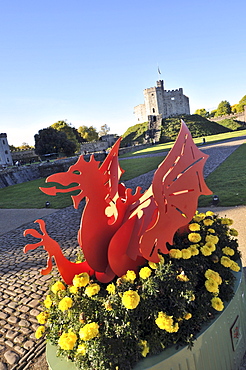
(82, 176)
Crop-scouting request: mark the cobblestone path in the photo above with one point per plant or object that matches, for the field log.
(22, 288)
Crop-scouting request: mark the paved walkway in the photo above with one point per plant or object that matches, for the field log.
(22, 287)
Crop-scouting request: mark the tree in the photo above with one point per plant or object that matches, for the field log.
(202, 112)
(104, 130)
(63, 126)
(88, 133)
(241, 104)
(49, 140)
(224, 108)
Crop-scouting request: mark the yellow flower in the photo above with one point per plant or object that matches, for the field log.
(81, 350)
(111, 288)
(39, 332)
(199, 216)
(67, 340)
(188, 316)
(194, 237)
(42, 317)
(211, 246)
(217, 304)
(212, 239)
(130, 299)
(208, 222)
(182, 277)
(193, 250)
(73, 289)
(145, 272)
(165, 322)
(186, 253)
(130, 275)
(153, 265)
(226, 221)
(48, 301)
(162, 260)
(194, 227)
(65, 304)
(234, 267)
(228, 251)
(211, 274)
(209, 213)
(92, 289)
(57, 287)
(212, 231)
(226, 261)
(175, 253)
(233, 232)
(212, 286)
(145, 347)
(108, 306)
(206, 251)
(89, 331)
(81, 280)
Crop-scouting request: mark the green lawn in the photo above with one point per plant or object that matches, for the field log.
(199, 140)
(228, 181)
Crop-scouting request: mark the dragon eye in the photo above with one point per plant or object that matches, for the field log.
(77, 172)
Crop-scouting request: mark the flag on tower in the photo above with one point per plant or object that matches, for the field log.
(159, 71)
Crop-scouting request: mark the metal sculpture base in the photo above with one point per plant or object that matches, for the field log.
(220, 346)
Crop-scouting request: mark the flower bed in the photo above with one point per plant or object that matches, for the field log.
(114, 326)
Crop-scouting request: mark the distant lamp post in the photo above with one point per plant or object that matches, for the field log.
(216, 200)
(47, 204)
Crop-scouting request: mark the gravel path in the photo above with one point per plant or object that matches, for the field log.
(22, 287)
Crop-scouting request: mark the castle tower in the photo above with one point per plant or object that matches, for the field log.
(158, 101)
(5, 154)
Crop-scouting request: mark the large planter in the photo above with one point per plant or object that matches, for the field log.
(220, 345)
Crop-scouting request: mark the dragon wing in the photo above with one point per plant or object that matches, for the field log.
(177, 184)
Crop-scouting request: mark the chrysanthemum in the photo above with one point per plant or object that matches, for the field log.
(145, 272)
(81, 280)
(212, 286)
(130, 299)
(92, 289)
(194, 237)
(57, 287)
(194, 227)
(65, 304)
(175, 253)
(89, 331)
(217, 304)
(67, 340)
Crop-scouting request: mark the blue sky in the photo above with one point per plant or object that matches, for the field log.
(89, 61)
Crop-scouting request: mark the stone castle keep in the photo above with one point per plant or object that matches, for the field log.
(158, 101)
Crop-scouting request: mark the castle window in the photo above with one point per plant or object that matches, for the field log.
(3, 142)
(6, 152)
(153, 110)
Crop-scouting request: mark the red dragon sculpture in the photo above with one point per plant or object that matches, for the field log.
(120, 230)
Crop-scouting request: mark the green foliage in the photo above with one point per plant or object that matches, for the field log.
(63, 126)
(224, 108)
(232, 124)
(49, 141)
(241, 104)
(104, 130)
(88, 133)
(134, 133)
(172, 300)
(199, 126)
(202, 112)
